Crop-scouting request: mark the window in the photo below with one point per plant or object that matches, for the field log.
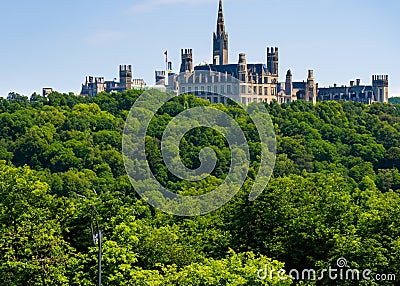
(209, 89)
(216, 89)
(189, 89)
(229, 89)
(183, 89)
(202, 89)
(244, 100)
(249, 100)
(243, 89)
(196, 89)
(215, 99)
(222, 89)
(222, 99)
(265, 90)
(255, 90)
(260, 90)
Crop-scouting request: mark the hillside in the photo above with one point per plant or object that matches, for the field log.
(335, 192)
(394, 100)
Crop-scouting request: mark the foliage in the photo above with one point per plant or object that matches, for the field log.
(334, 193)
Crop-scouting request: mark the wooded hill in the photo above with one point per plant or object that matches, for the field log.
(335, 192)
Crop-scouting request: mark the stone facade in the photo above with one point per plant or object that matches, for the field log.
(95, 85)
(377, 92)
(257, 82)
(260, 82)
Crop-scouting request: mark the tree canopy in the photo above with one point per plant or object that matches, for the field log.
(335, 192)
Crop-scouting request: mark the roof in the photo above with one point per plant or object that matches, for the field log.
(232, 69)
(299, 85)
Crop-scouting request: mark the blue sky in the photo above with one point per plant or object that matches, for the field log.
(47, 43)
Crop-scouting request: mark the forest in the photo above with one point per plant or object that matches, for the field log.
(334, 193)
(394, 100)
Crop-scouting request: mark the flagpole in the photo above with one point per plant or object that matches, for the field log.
(166, 68)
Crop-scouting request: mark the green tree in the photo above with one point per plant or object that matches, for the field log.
(32, 248)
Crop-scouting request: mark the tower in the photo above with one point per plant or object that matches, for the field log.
(125, 77)
(311, 88)
(289, 83)
(220, 44)
(160, 77)
(242, 68)
(380, 85)
(187, 60)
(273, 60)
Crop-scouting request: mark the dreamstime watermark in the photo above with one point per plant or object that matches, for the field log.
(145, 109)
(340, 273)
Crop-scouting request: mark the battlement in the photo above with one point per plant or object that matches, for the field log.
(272, 51)
(186, 52)
(380, 80)
(99, 79)
(125, 68)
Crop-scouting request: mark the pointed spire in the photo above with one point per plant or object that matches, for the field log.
(221, 22)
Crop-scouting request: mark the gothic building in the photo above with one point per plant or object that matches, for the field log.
(377, 92)
(259, 82)
(95, 85)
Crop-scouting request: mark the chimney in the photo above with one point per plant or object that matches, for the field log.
(352, 83)
(358, 82)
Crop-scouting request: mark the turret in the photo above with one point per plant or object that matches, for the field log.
(289, 83)
(125, 77)
(187, 60)
(380, 85)
(160, 77)
(311, 88)
(242, 68)
(273, 60)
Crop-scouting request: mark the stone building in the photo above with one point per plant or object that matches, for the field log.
(377, 92)
(95, 85)
(259, 82)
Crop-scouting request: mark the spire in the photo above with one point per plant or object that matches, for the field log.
(221, 22)
(220, 46)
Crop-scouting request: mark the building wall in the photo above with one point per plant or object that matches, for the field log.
(357, 92)
(96, 85)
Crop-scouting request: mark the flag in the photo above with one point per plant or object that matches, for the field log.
(166, 56)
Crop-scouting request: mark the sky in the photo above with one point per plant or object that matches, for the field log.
(47, 43)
